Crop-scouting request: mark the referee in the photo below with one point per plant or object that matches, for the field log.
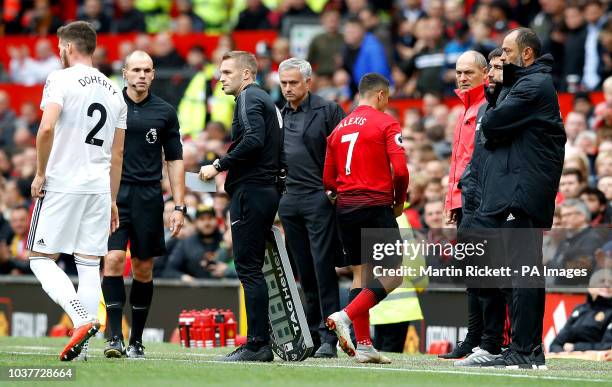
(254, 168)
(152, 128)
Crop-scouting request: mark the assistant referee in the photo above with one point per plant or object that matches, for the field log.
(254, 164)
(152, 128)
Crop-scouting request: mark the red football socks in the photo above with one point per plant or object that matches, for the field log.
(361, 325)
(365, 300)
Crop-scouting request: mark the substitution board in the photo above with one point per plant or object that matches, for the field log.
(290, 336)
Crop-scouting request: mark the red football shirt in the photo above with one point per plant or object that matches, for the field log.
(365, 164)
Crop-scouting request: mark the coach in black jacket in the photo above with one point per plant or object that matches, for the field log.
(307, 215)
(526, 139)
(253, 163)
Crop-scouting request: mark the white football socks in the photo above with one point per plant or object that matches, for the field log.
(58, 286)
(90, 285)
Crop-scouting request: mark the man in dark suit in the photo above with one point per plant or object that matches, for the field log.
(305, 211)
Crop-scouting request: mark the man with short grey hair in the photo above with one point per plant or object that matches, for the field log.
(305, 211)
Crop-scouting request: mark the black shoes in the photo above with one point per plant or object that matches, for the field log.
(242, 353)
(326, 351)
(135, 351)
(461, 350)
(115, 347)
(511, 359)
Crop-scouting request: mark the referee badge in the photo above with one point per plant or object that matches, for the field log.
(151, 136)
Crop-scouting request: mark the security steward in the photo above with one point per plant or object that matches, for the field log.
(255, 180)
(307, 215)
(152, 128)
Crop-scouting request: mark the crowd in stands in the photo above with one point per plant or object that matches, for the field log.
(413, 42)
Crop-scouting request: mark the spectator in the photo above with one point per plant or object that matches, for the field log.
(194, 257)
(165, 55)
(157, 14)
(19, 222)
(130, 19)
(575, 123)
(377, 27)
(29, 118)
(29, 71)
(93, 13)
(428, 61)
(571, 184)
(605, 185)
(589, 327)
(101, 62)
(577, 251)
(363, 53)
(603, 164)
(603, 110)
(214, 13)
(553, 238)
(184, 7)
(596, 18)
(324, 49)
(181, 25)
(254, 17)
(573, 65)
(8, 120)
(595, 200)
(41, 21)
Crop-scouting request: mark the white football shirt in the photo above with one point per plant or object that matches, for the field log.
(92, 107)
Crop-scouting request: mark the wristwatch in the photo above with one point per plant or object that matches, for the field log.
(183, 209)
(217, 165)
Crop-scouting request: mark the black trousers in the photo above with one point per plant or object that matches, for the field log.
(486, 306)
(521, 244)
(391, 337)
(309, 222)
(252, 212)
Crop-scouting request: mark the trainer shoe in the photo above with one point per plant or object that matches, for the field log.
(369, 354)
(115, 347)
(79, 337)
(511, 359)
(326, 351)
(242, 353)
(461, 350)
(478, 357)
(135, 351)
(339, 322)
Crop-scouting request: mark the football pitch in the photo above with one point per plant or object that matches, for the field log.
(169, 365)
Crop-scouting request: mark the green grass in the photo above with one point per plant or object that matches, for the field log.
(169, 365)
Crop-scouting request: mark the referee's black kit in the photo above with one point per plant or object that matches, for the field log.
(152, 125)
(253, 163)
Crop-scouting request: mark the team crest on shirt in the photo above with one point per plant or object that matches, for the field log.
(151, 136)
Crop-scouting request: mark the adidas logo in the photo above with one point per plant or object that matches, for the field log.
(510, 217)
(41, 242)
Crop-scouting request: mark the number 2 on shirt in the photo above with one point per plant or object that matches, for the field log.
(352, 139)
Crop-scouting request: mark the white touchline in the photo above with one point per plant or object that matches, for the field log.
(366, 368)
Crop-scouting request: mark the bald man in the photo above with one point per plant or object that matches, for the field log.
(470, 72)
(152, 128)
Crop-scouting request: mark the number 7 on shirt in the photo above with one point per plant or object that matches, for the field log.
(352, 139)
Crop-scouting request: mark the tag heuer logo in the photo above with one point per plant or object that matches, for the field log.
(151, 136)
(41, 242)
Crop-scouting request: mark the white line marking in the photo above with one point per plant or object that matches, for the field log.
(377, 368)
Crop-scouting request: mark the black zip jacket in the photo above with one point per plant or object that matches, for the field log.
(525, 134)
(255, 154)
